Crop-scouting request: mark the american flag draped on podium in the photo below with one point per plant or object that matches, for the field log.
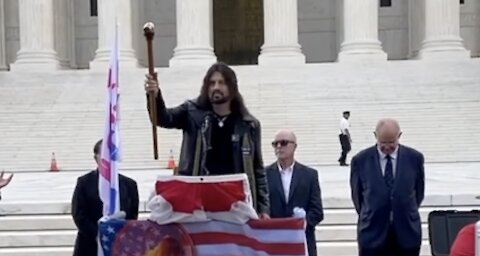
(275, 237)
(214, 218)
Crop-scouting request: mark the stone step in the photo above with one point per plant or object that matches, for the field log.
(341, 219)
(24, 239)
(331, 201)
(350, 248)
(52, 231)
(308, 100)
(63, 232)
(346, 233)
(40, 238)
(337, 249)
(38, 251)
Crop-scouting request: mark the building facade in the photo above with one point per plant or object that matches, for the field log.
(77, 34)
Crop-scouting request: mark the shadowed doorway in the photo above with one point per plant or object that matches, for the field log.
(238, 30)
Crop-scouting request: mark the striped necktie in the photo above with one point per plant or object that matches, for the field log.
(389, 173)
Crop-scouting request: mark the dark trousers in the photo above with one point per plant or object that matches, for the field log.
(345, 142)
(390, 248)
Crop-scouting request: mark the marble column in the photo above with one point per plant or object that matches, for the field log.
(194, 34)
(416, 26)
(64, 32)
(109, 13)
(37, 49)
(3, 53)
(360, 31)
(281, 45)
(442, 31)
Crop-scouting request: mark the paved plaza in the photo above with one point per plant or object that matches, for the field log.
(446, 184)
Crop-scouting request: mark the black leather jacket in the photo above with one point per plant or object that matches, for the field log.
(195, 123)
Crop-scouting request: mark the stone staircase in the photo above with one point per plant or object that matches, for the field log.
(35, 210)
(46, 229)
(437, 104)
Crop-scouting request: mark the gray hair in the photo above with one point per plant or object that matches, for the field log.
(390, 122)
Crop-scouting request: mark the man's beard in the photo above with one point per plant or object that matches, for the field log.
(218, 97)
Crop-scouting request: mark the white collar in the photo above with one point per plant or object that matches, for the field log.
(288, 169)
(393, 155)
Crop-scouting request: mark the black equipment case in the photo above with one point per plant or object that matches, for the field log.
(443, 227)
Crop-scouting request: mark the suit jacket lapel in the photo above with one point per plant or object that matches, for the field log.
(398, 173)
(94, 183)
(376, 161)
(377, 168)
(294, 182)
(277, 181)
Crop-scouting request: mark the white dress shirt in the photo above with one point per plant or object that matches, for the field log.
(383, 160)
(383, 164)
(344, 125)
(286, 175)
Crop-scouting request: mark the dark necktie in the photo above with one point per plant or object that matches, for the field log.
(389, 173)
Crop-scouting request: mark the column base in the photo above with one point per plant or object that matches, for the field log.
(370, 50)
(101, 61)
(192, 57)
(36, 61)
(444, 49)
(64, 64)
(281, 56)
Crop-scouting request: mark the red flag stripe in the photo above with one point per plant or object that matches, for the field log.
(278, 223)
(213, 197)
(241, 240)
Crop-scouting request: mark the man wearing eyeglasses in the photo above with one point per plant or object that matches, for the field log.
(388, 186)
(293, 185)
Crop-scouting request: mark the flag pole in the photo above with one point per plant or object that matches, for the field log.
(108, 178)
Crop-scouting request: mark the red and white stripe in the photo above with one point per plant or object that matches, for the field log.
(256, 238)
(181, 199)
(110, 153)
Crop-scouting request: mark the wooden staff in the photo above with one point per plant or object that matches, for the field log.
(149, 32)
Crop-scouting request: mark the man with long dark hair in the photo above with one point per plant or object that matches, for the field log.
(220, 136)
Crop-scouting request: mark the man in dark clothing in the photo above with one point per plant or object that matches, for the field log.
(220, 136)
(345, 138)
(87, 206)
(293, 185)
(387, 183)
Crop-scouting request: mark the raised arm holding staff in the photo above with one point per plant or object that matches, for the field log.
(220, 136)
(149, 32)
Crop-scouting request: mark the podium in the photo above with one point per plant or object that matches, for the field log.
(202, 216)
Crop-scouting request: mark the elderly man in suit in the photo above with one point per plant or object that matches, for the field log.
(387, 185)
(87, 206)
(294, 185)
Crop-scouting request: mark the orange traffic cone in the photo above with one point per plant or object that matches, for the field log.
(53, 164)
(171, 162)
